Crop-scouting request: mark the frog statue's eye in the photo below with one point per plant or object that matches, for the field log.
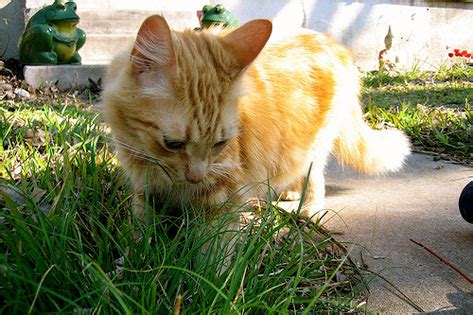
(71, 5)
(206, 8)
(59, 5)
(219, 8)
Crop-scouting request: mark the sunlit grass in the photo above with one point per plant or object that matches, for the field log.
(433, 108)
(70, 244)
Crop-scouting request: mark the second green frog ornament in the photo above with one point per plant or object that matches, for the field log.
(217, 15)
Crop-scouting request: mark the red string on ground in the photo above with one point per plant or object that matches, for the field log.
(445, 261)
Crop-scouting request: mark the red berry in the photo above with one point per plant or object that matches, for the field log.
(464, 53)
(450, 55)
(456, 51)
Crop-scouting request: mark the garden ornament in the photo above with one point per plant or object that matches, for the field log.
(387, 61)
(51, 36)
(217, 15)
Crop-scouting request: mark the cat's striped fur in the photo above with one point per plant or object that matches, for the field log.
(202, 117)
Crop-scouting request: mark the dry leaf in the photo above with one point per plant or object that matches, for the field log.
(37, 194)
(35, 137)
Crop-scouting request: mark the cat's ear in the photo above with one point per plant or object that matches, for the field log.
(247, 41)
(153, 46)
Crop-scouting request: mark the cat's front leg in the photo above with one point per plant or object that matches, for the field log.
(292, 192)
(143, 207)
(222, 232)
(220, 236)
(314, 197)
(139, 205)
(312, 188)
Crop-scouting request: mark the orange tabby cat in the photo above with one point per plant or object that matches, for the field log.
(201, 117)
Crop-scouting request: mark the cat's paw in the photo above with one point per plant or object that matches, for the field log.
(314, 214)
(314, 210)
(290, 195)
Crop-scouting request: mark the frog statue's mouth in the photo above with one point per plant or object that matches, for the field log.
(66, 32)
(67, 23)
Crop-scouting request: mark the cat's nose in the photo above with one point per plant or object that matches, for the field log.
(194, 178)
(196, 171)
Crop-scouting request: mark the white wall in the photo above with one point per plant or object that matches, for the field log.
(423, 30)
(142, 5)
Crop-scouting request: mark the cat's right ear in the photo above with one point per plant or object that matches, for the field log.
(247, 41)
(153, 47)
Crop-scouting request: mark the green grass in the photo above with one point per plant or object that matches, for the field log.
(433, 108)
(69, 242)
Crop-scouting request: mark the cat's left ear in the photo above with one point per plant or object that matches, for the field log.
(247, 41)
(153, 46)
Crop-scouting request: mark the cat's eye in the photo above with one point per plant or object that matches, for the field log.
(220, 144)
(174, 145)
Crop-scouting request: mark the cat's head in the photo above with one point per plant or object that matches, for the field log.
(178, 102)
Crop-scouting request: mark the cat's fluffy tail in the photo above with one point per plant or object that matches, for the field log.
(370, 151)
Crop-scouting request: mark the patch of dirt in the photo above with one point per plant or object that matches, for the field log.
(14, 88)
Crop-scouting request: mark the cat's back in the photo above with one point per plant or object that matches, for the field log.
(301, 50)
(297, 70)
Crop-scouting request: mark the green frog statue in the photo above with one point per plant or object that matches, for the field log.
(217, 15)
(51, 36)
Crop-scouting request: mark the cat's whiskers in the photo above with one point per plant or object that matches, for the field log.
(223, 169)
(133, 149)
(221, 173)
(143, 158)
(138, 155)
(134, 152)
(153, 164)
(226, 165)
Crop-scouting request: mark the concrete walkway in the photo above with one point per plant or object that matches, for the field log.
(381, 214)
